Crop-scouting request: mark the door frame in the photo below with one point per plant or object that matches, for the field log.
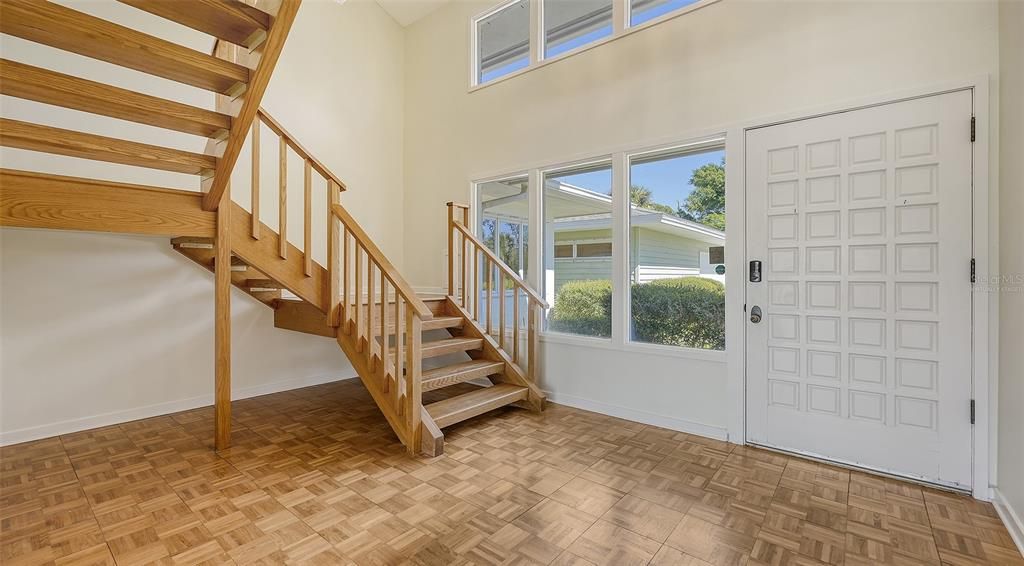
(984, 230)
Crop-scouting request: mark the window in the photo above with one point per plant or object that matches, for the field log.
(503, 41)
(569, 24)
(577, 238)
(641, 11)
(504, 214)
(660, 246)
(502, 37)
(677, 227)
(603, 249)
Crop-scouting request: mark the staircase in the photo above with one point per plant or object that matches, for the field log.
(401, 344)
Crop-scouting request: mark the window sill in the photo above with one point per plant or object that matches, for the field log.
(560, 338)
(473, 87)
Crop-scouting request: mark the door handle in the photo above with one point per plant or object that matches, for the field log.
(755, 314)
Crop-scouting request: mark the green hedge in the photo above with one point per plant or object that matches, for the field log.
(688, 311)
(584, 307)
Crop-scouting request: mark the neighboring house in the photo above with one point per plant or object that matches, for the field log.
(579, 235)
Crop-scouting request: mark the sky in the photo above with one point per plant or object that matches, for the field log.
(667, 179)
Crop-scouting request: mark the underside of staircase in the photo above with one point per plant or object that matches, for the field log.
(400, 344)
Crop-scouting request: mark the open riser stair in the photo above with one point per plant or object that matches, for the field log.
(400, 343)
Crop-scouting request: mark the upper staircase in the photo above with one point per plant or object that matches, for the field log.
(401, 344)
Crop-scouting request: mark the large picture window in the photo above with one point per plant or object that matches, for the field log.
(577, 240)
(676, 248)
(629, 247)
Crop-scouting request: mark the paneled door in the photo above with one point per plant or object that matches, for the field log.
(862, 225)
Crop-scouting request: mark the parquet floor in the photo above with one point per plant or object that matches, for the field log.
(316, 477)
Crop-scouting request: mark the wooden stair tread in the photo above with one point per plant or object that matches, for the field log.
(468, 405)
(237, 263)
(47, 139)
(50, 87)
(437, 322)
(457, 373)
(437, 348)
(229, 20)
(263, 284)
(57, 26)
(441, 322)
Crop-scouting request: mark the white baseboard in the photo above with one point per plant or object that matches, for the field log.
(1011, 518)
(117, 417)
(636, 415)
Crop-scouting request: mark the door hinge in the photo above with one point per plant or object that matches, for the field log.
(974, 128)
(974, 271)
(972, 411)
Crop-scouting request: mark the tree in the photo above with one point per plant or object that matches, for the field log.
(706, 204)
(642, 197)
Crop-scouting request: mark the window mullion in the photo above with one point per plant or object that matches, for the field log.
(620, 249)
(536, 30)
(620, 14)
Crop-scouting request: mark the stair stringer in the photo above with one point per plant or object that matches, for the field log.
(431, 439)
(492, 351)
(263, 255)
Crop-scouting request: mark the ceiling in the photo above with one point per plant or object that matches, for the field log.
(406, 12)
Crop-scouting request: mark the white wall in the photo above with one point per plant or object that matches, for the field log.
(102, 328)
(1010, 493)
(105, 328)
(727, 63)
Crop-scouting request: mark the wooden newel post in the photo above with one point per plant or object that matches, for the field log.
(533, 341)
(222, 325)
(413, 382)
(333, 254)
(451, 249)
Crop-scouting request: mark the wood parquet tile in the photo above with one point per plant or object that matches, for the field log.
(315, 476)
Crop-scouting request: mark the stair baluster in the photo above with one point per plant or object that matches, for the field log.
(461, 238)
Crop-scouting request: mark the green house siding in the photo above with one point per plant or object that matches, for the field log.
(653, 255)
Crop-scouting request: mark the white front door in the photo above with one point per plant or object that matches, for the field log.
(862, 223)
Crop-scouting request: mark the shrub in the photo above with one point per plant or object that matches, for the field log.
(688, 311)
(584, 307)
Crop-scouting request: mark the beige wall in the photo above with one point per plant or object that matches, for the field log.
(1011, 301)
(136, 318)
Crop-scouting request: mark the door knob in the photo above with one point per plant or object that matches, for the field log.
(755, 314)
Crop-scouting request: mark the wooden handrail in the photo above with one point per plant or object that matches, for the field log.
(257, 86)
(397, 281)
(501, 265)
(297, 147)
